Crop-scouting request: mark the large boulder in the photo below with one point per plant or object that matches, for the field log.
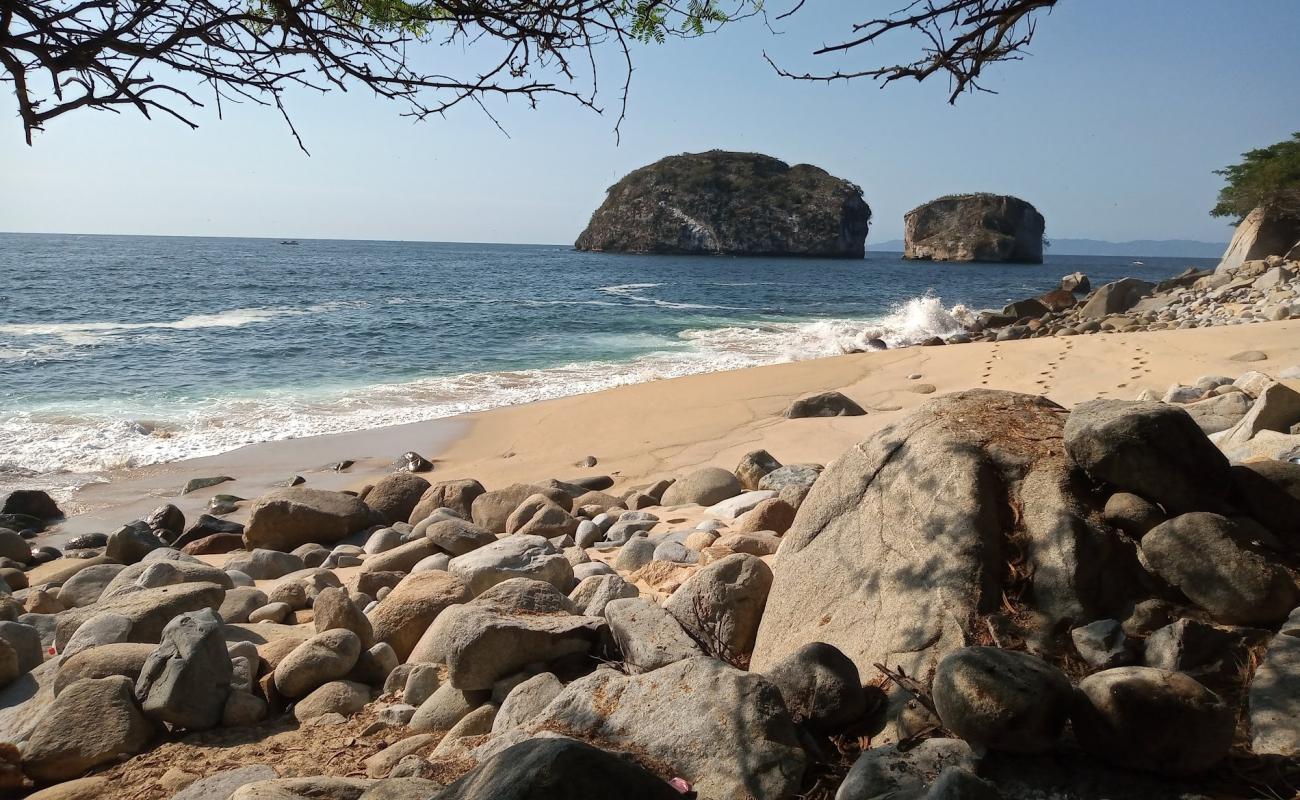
(325, 657)
(1274, 696)
(518, 556)
(1276, 408)
(395, 496)
(821, 687)
(149, 610)
(974, 227)
(1153, 450)
(557, 768)
(725, 203)
(1150, 719)
(492, 509)
(721, 604)
(1002, 699)
(31, 503)
(402, 617)
(456, 495)
(512, 624)
(1115, 298)
(896, 773)
(1204, 556)
(824, 404)
(704, 487)
(92, 722)
(288, 518)
(647, 636)
(457, 537)
(900, 545)
(725, 731)
(185, 681)
(125, 658)
(1260, 235)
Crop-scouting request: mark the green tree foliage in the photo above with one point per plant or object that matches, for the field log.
(1268, 177)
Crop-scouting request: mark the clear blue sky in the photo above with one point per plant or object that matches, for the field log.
(1111, 128)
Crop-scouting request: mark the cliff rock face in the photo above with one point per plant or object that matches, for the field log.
(722, 203)
(1260, 235)
(975, 227)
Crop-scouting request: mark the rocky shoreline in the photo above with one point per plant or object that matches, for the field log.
(994, 596)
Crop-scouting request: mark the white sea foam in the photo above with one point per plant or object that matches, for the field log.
(80, 442)
(635, 292)
(86, 333)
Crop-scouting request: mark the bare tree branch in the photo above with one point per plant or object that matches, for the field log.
(962, 37)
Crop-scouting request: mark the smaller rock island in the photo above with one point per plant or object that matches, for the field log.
(724, 203)
(974, 227)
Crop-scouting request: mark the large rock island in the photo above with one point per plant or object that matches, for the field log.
(974, 227)
(722, 203)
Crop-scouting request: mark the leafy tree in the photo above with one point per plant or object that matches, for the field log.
(1268, 177)
(162, 56)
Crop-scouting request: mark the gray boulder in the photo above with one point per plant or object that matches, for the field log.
(1115, 298)
(635, 553)
(1002, 699)
(593, 594)
(526, 701)
(1103, 644)
(25, 641)
(402, 617)
(1276, 409)
(395, 496)
(101, 630)
(335, 609)
(557, 769)
(703, 487)
(899, 545)
(324, 657)
(457, 537)
(456, 495)
(148, 609)
(1274, 696)
(86, 586)
(753, 466)
(539, 515)
(1201, 554)
(1150, 719)
(725, 731)
(263, 565)
(446, 707)
(92, 722)
(821, 687)
(1209, 653)
(1153, 450)
(647, 636)
(335, 697)
(1132, 514)
(288, 518)
(513, 557)
(490, 510)
(894, 773)
(826, 404)
(402, 558)
(185, 682)
(130, 544)
(221, 785)
(241, 601)
(722, 604)
(791, 482)
(512, 624)
(1219, 413)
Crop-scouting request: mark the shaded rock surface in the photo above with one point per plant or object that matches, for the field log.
(728, 203)
(974, 227)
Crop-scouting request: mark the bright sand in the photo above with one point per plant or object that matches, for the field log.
(665, 428)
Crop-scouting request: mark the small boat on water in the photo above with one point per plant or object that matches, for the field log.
(289, 241)
(1132, 263)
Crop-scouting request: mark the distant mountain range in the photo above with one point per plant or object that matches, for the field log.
(1153, 248)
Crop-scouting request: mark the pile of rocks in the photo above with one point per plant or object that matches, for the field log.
(1257, 291)
(1101, 585)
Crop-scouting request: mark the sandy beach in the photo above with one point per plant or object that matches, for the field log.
(644, 432)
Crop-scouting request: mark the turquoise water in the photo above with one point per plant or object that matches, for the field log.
(124, 351)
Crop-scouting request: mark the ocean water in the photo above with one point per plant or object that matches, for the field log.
(127, 351)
